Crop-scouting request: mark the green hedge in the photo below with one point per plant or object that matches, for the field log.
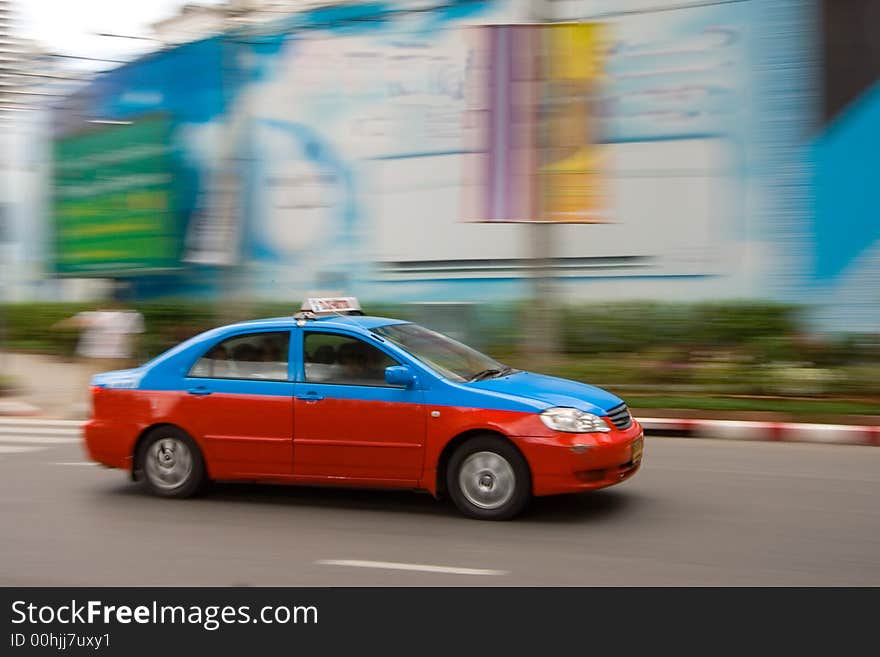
(629, 326)
(669, 333)
(28, 326)
(731, 348)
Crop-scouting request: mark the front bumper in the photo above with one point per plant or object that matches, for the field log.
(570, 462)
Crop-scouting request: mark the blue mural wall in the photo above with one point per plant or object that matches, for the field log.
(327, 151)
(845, 245)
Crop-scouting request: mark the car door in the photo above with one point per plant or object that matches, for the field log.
(349, 424)
(240, 402)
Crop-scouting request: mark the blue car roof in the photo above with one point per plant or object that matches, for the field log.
(364, 322)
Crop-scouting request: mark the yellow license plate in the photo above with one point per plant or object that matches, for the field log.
(637, 445)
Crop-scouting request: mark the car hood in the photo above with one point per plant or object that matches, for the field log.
(553, 391)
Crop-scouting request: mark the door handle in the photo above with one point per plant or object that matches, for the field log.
(199, 390)
(310, 396)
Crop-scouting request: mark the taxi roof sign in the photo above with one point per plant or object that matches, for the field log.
(332, 305)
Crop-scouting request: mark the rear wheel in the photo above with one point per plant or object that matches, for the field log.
(172, 463)
(488, 478)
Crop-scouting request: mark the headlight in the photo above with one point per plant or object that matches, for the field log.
(573, 421)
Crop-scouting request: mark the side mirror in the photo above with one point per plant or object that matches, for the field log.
(400, 375)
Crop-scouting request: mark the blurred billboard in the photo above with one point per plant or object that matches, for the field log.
(341, 147)
(114, 200)
(532, 94)
(128, 175)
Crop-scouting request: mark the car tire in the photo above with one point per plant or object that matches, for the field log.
(171, 463)
(487, 478)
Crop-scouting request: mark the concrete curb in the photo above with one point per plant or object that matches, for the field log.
(793, 432)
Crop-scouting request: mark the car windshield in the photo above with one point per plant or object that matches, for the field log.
(448, 357)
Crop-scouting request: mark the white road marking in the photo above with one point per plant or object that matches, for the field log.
(38, 440)
(40, 431)
(18, 449)
(73, 424)
(425, 568)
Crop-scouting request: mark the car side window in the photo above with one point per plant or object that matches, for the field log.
(261, 356)
(344, 360)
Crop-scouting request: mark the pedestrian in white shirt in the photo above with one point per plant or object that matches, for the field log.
(106, 343)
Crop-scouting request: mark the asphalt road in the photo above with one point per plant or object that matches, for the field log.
(700, 512)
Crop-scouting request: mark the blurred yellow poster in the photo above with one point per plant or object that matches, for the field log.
(572, 189)
(535, 156)
(570, 162)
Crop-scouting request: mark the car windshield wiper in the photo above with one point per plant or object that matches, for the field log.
(490, 373)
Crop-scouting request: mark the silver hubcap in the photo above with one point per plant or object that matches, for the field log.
(169, 463)
(486, 479)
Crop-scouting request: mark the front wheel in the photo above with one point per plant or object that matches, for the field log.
(488, 478)
(172, 463)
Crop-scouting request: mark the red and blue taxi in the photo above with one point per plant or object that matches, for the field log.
(333, 397)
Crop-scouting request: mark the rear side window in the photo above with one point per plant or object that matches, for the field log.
(343, 360)
(261, 356)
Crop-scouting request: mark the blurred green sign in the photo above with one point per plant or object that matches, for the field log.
(113, 204)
